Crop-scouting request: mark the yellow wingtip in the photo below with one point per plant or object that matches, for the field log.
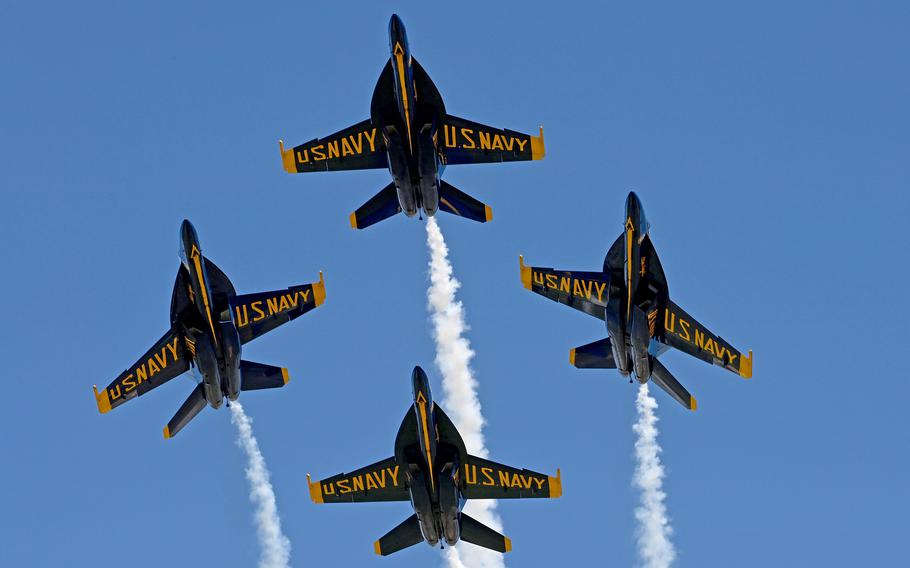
(284, 375)
(319, 290)
(556, 485)
(377, 548)
(315, 490)
(572, 357)
(693, 404)
(508, 543)
(487, 213)
(353, 220)
(538, 148)
(103, 400)
(167, 433)
(287, 158)
(525, 272)
(745, 366)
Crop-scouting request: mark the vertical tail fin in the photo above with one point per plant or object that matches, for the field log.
(404, 535)
(192, 406)
(662, 378)
(475, 532)
(379, 207)
(453, 200)
(255, 376)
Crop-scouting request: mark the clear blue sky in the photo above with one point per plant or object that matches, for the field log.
(769, 145)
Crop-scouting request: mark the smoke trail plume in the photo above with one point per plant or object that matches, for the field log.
(453, 357)
(276, 548)
(654, 530)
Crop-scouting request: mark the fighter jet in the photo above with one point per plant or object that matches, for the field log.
(630, 295)
(209, 323)
(432, 469)
(410, 133)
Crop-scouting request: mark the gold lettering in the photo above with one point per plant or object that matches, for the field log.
(173, 347)
(484, 140)
(318, 153)
(684, 328)
(551, 281)
(497, 142)
(358, 144)
(304, 157)
(467, 132)
(328, 489)
(371, 136)
(699, 338)
(539, 482)
(488, 479)
(468, 470)
(521, 144)
(128, 383)
(242, 318)
(110, 392)
(332, 148)
(273, 305)
(380, 481)
(538, 277)
(371, 484)
(153, 368)
(451, 143)
(394, 474)
(516, 482)
(343, 486)
(671, 318)
(141, 373)
(577, 288)
(292, 300)
(358, 483)
(161, 358)
(600, 290)
(732, 356)
(283, 304)
(510, 141)
(504, 478)
(709, 346)
(346, 149)
(256, 308)
(564, 284)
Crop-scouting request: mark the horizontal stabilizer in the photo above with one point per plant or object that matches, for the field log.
(597, 355)
(475, 532)
(404, 535)
(380, 207)
(192, 406)
(255, 376)
(453, 200)
(662, 378)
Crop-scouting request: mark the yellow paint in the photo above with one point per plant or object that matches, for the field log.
(422, 405)
(353, 219)
(745, 366)
(399, 58)
(629, 232)
(167, 433)
(556, 485)
(508, 543)
(572, 357)
(693, 404)
(487, 213)
(538, 150)
(197, 261)
(525, 273)
(377, 548)
(315, 490)
(284, 375)
(319, 290)
(287, 158)
(102, 400)
(446, 202)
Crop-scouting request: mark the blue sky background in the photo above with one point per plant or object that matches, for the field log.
(769, 145)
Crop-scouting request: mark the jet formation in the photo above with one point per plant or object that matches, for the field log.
(209, 324)
(432, 469)
(410, 133)
(631, 296)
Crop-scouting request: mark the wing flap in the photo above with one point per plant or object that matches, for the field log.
(682, 331)
(467, 142)
(357, 147)
(381, 481)
(166, 359)
(587, 292)
(257, 314)
(485, 479)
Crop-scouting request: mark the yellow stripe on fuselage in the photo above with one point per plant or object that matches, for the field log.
(399, 57)
(426, 441)
(205, 294)
(629, 232)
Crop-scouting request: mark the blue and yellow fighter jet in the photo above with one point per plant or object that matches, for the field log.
(410, 133)
(209, 323)
(432, 469)
(631, 296)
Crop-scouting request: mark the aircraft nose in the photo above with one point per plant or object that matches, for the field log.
(420, 382)
(397, 33)
(188, 236)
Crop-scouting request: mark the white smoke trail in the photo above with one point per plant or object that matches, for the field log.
(453, 357)
(276, 548)
(654, 530)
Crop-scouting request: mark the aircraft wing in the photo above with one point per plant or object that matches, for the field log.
(585, 291)
(465, 142)
(682, 331)
(381, 481)
(357, 147)
(166, 359)
(258, 314)
(484, 479)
